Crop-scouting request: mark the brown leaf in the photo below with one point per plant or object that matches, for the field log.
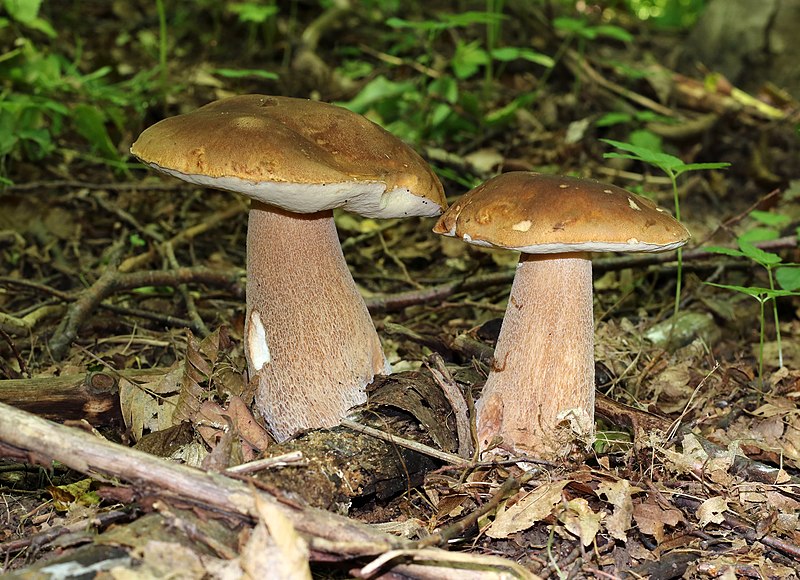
(532, 508)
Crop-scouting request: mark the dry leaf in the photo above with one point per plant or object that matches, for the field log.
(580, 520)
(149, 404)
(532, 508)
(712, 511)
(275, 546)
(618, 493)
(651, 518)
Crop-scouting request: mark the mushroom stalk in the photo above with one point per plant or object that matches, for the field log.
(543, 370)
(310, 341)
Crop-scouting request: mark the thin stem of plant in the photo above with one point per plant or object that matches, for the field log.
(761, 302)
(679, 275)
(775, 315)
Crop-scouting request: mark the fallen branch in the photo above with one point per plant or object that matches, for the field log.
(400, 300)
(92, 396)
(112, 281)
(331, 538)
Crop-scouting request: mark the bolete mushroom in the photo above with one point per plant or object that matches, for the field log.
(309, 339)
(543, 369)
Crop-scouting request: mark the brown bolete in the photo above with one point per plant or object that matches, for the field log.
(309, 340)
(543, 369)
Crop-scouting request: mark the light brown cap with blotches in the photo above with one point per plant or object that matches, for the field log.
(549, 214)
(303, 156)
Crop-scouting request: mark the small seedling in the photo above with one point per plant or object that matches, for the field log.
(786, 275)
(673, 167)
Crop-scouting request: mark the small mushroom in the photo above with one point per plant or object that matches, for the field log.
(543, 369)
(309, 339)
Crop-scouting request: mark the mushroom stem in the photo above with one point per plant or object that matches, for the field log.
(543, 370)
(310, 342)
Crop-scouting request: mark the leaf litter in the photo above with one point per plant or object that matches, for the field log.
(636, 504)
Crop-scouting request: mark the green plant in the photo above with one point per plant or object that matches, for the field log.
(257, 16)
(442, 104)
(786, 275)
(674, 168)
(668, 13)
(46, 95)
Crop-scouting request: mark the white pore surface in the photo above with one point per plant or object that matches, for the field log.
(632, 245)
(366, 198)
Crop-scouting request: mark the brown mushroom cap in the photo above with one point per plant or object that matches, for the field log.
(550, 214)
(300, 155)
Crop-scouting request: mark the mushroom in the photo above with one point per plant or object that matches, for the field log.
(309, 340)
(543, 368)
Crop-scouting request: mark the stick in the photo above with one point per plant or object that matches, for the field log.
(112, 281)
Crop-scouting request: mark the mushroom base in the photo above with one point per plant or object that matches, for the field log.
(541, 387)
(310, 341)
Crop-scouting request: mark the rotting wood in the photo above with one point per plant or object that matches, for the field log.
(90, 396)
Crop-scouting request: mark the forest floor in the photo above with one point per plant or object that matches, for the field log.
(677, 483)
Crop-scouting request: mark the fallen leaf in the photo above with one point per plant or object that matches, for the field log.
(651, 518)
(712, 511)
(579, 518)
(532, 508)
(275, 549)
(618, 493)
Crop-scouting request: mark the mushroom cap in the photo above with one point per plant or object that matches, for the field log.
(300, 155)
(549, 214)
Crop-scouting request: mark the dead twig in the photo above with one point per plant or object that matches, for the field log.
(73, 184)
(407, 443)
(744, 529)
(400, 300)
(100, 520)
(331, 537)
(199, 325)
(112, 281)
(216, 219)
(443, 378)
(459, 527)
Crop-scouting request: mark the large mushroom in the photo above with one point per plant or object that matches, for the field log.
(310, 341)
(543, 369)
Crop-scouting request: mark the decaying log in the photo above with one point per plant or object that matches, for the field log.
(342, 464)
(93, 396)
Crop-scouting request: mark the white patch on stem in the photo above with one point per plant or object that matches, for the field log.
(257, 343)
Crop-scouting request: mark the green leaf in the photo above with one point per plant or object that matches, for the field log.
(136, 240)
(646, 139)
(615, 32)
(468, 58)
(725, 251)
(754, 235)
(766, 259)
(613, 118)
(769, 218)
(510, 53)
(506, 112)
(445, 87)
(439, 114)
(788, 278)
(701, 166)
(760, 294)
(238, 73)
(23, 11)
(90, 122)
(253, 11)
(378, 89)
(570, 25)
(666, 162)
